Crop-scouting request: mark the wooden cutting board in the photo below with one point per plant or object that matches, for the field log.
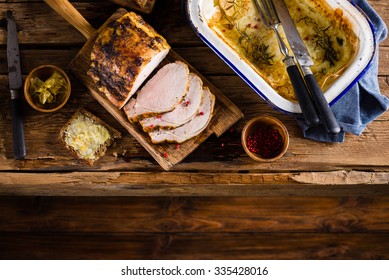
(168, 154)
(133, 5)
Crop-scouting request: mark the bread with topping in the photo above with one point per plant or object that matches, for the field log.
(87, 137)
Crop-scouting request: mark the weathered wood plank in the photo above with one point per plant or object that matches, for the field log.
(194, 215)
(38, 24)
(190, 246)
(31, 58)
(194, 184)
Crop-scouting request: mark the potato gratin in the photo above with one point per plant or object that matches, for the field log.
(326, 33)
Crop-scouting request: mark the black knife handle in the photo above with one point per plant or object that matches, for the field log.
(300, 89)
(18, 127)
(326, 114)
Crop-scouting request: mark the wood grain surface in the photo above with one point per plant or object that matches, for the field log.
(194, 228)
(134, 5)
(320, 201)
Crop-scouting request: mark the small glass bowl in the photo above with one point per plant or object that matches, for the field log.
(265, 122)
(44, 72)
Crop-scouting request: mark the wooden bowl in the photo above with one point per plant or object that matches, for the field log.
(44, 72)
(264, 131)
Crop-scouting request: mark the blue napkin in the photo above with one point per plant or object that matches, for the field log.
(363, 102)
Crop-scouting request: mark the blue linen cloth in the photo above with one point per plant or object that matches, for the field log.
(363, 103)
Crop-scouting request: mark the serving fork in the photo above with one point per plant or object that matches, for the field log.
(270, 19)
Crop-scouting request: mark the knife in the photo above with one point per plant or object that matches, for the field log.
(15, 85)
(305, 61)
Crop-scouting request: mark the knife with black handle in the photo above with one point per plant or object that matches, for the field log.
(15, 86)
(305, 61)
(326, 114)
(302, 94)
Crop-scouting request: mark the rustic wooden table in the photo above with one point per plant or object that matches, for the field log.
(295, 207)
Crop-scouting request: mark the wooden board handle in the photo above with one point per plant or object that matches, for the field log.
(67, 10)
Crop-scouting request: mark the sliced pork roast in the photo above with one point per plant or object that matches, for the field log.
(183, 113)
(192, 128)
(124, 55)
(162, 93)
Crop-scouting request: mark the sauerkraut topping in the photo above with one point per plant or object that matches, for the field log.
(86, 137)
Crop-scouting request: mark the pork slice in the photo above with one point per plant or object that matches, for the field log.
(146, 71)
(183, 113)
(162, 93)
(192, 128)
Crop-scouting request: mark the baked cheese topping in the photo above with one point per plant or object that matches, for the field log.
(86, 137)
(327, 34)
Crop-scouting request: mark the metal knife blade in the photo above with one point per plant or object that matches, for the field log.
(14, 72)
(296, 43)
(304, 60)
(15, 85)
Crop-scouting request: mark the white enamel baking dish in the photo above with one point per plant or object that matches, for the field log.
(198, 11)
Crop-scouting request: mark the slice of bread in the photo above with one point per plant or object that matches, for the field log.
(87, 137)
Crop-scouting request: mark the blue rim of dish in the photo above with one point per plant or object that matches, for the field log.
(367, 67)
(231, 65)
(259, 92)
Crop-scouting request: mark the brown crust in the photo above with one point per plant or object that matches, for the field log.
(119, 54)
(101, 152)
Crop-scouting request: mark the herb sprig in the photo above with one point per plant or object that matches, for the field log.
(252, 45)
(255, 47)
(323, 40)
(236, 7)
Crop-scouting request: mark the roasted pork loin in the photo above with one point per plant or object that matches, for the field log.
(162, 93)
(190, 129)
(183, 113)
(124, 55)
